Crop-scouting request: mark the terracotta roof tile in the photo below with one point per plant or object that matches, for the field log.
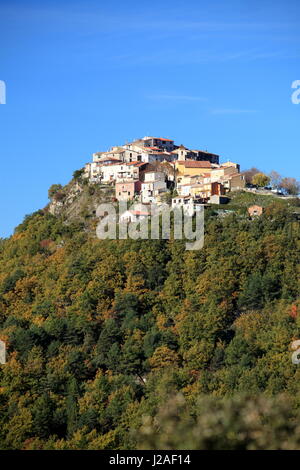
(195, 164)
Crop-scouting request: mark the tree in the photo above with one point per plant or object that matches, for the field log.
(235, 423)
(275, 179)
(53, 190)
(163, 357)
(107, 349)
(252, 295)
(290, 185)
(261, 179)
(100, 335)
(18, 428)
(248, 174)
(78, 173)
(42, 415)
(59, 196)
(11, 280)
(72, 406)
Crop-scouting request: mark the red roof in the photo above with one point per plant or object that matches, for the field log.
(159, 138)
(195, 164)
(118, 162)
(109, 159)
(139, 212)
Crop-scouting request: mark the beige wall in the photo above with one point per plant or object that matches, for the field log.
(183, 171)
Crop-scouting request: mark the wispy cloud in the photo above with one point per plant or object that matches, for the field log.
(100, 19)
(181, 98)
(232, 111)
(181, 58)
(175, 97)
(157, 32)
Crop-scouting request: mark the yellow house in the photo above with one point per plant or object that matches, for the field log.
(191, 168)
(187, 179)
(222, 171)
(201, 190)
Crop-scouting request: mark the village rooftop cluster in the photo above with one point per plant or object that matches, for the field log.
(148, 169)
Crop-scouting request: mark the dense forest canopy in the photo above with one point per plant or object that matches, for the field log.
(122, 344)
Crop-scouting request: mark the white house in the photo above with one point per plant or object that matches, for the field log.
(108, 173)
(128, 171)
(153, 185)
(124, 153)
(134, 215)
(184, 189)
(187, 203)
(132, 152)
(118, 171)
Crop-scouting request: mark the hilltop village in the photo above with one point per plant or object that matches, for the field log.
(150, 169)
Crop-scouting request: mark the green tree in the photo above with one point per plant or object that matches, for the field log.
(237, 423)
(54, 188)
(251, 296)
(248, 174)
(72, 407)
(261, 179)
(42, 416)
(78, 173)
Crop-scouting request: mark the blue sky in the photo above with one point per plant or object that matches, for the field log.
(84, 75)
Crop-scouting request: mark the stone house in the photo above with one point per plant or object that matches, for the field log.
(127, 190)
(235, 182)
(255, 211)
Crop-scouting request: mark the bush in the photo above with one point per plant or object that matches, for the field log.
(237, 423)
(53, 190)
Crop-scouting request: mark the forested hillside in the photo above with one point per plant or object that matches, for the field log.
(141, 344)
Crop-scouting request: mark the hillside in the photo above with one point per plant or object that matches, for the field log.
(122, 344)
(77, 201)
